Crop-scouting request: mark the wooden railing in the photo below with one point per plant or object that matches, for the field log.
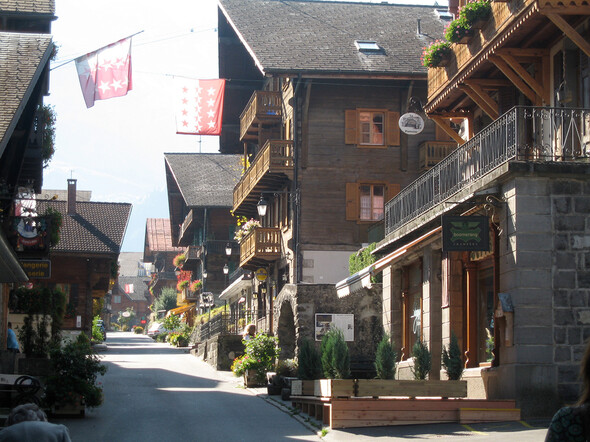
(264, 106)
(262, 243)
(186, 223)
(187, 296)
(505, 15)
(275, 157)
(432, 152)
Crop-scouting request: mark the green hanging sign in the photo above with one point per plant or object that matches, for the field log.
(465, 233)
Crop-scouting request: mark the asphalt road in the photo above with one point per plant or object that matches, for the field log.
(154, 392)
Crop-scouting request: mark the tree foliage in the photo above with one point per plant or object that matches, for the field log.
(451, 359)
(422, 360)
(335, 356)
(309, 361)
(166, 300)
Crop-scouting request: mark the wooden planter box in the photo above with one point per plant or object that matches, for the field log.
(426, 388)
(334, 387)
(250, 379)
(301, 387)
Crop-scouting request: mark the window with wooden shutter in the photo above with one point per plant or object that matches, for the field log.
(392, 129)
(352, 201)
(350, 127)
(391, 190)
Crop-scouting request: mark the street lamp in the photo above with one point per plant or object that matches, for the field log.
(228, 249)
(204, 273)
(225, 269)
(262, 206)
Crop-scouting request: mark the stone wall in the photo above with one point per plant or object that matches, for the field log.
(306, 300)
(220, 351)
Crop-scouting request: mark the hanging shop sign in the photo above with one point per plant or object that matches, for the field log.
(465, 233)
(37, 268)
(411, 123)
(30, 233)
(261, 274)
(324, 322)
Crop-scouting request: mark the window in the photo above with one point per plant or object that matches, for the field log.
(116, 299)
(371, 202)
(367, 45)
(371, 128)
(366, 201)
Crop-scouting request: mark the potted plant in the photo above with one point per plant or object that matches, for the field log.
(181, 285)
(245, 229)
(437, 54)
(459, 31)
(451, 359)
(476, 13)
(196, 285)
(179, 260)
(259, 358)
(422, 360)
(73, 385)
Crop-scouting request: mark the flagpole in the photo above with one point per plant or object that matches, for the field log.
(74, 59)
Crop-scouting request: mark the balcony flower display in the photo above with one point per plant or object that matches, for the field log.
(458, 30)
(476, 12)
(436, 54)
(179, 260)
(196, 285)
(245, 229)
(182, 285)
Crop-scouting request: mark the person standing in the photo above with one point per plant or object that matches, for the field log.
(11, 341)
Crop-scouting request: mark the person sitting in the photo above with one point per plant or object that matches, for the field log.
(11, 342)
(249, 332)
(572, 424)
(28, 423)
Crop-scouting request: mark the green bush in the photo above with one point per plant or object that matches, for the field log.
(76, 368)
(451, 359)
(97, 334)
(161, 337)
(385, 359)
(335, 356)
(287, 368)
(422, 360)
(309, 361)
(138, 330)
(166, 300)
(361, 259)
(260, 354)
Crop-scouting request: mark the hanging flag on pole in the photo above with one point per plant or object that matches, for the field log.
(105, 73)
(199, 106)
(129, 288)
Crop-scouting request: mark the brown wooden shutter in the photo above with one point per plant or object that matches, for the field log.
(352, 201)
(392, 129)
(391, 190)
(350, 125)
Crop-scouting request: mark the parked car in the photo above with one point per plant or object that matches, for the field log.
(156, 328)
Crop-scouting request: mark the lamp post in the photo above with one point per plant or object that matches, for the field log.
(262, 206)
(226, 272)
(228, 249)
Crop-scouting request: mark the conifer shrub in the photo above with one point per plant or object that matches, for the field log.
(422, 360)
(385, 359)
(335, 356)
(309, 361)
(451, 359)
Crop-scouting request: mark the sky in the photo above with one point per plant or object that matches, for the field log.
(115, 149)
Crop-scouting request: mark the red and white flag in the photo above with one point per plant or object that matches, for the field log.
(105, 73)
(199, 106)
(129, 288)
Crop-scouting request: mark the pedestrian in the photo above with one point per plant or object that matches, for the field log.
(11, 342)
(572, 423)
(28, 423)
(249, 332)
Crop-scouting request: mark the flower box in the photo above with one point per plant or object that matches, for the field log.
(251, 379)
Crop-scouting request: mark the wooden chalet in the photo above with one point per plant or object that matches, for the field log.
(84, 261)
(515, 294)
(199, 198)
(315, 93)
(25, 50)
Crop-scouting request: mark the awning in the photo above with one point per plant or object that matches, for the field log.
(362, 278)
(180, 310)
(234, 290)
(10, 268)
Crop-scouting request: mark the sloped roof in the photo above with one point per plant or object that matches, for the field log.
(22, 59)
(291, 36)
(130, 263)
(36, 6)
(140, 288)
(205, 180)
(95, 228)
(158, 236)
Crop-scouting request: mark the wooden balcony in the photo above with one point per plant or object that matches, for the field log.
(264, 108)
(433, 152)
(193, 253)
(270, 169)
(261, 246)
(516, 35)
(186, 228)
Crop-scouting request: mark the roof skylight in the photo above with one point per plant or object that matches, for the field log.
(367, 45)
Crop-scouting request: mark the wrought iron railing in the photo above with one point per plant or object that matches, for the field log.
(232, 323)
(540, 134)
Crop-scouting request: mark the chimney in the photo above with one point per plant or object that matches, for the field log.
(71, 196)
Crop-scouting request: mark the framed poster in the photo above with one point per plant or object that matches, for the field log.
(326, 321)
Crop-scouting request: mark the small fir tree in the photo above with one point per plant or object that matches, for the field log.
(451, 359)
(422, 360)
(335, 356)
(309, 361)
(385, 357)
